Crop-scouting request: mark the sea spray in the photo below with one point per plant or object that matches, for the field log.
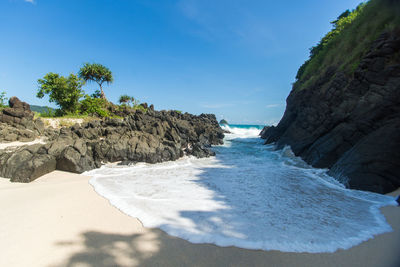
(248, 195)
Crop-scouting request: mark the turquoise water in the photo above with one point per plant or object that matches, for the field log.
(245, 126)
(248, 195)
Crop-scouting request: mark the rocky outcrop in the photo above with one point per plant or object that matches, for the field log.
(350, 124)
(150, 136)
(264, 130)
(17, 123)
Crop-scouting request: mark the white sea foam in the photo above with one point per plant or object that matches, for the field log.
(236, 132)
(248, 196)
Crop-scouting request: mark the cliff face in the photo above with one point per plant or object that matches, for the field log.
(350, 123)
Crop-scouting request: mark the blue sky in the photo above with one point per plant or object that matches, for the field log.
(234, 58)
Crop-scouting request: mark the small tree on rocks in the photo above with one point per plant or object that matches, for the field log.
(3, 99)
(96, 73)
(64, 91)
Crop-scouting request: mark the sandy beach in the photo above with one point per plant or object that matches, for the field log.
(59, 220)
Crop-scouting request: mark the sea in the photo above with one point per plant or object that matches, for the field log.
(249, 195)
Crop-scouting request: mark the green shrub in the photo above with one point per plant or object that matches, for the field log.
(48, 113)
(96, 94)
(3, 100)
(94, 107)
(140, 107)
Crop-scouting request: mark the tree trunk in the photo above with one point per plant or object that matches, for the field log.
(102, 92)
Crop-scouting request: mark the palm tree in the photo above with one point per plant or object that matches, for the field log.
(96, 73)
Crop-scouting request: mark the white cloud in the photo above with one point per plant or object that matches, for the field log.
(30, 1)
(215, 105)
(272, 105)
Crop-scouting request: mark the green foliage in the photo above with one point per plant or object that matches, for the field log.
(96, 73)
(127, 100)
(124, 99)
(94, 106)
(140, 107)
(348, 41)
(64, 91)
(96, 94)
(3, 100)
(344, 20)
(48, 113)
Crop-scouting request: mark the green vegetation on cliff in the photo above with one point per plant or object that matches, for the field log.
(348, 41)
(3, 100)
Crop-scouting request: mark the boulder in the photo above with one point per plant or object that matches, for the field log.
(39, 165)
(18, 121)
(18, 109)
(24, 166)
(71, 160)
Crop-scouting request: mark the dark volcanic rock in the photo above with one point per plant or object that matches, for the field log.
(350, 123)
(150, 136)
(26, 164)
(264, 130)
(73, 160)
(18, 109)
(17, 124)
(363, 170)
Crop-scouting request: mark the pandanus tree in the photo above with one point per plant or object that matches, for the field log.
(96, 73)
(126, 99)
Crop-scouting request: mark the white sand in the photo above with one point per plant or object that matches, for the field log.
(18, 143)
(57, 123)
(58, 220)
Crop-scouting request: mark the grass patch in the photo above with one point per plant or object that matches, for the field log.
(349, 40)
(67, 120)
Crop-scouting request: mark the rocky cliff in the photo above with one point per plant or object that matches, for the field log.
(349, 121)
(150, 136)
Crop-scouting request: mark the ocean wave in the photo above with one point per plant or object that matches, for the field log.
(236, 132)
(249, 196)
